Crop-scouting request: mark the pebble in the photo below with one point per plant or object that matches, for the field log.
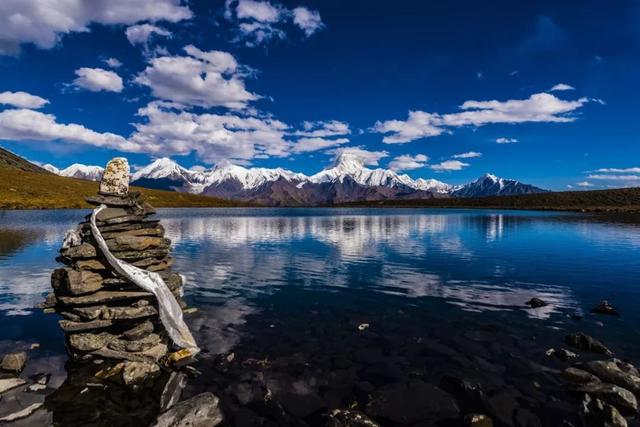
(14, 362)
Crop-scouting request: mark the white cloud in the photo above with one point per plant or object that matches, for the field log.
(368, 158)
(213, 137)
(22, 100)
(408, 162)
(584, 184)
(305, 145)
(113, 62)
(561, 87)
(324, 129)
(43, 22)
(140, 34)
(503, 140)
(29, 125)
(260, 22)
(615, 177)
(309, 21)
(539, 107)
(205, 79)
(418, 125)
(261, 11)
(98, 79)
(619, 170)
(467, 155)
(449, 165)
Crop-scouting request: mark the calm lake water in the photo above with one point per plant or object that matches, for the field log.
(441, 290)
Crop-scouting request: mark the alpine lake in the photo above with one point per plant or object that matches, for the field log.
(413, 317)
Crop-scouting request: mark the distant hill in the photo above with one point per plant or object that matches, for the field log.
(621, 200)
(24, 185)
(13, 161)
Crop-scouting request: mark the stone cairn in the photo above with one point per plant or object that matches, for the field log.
(105, 316)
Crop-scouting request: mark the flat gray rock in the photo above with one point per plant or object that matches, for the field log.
(10, 383)
(199, 411)
(14, 362)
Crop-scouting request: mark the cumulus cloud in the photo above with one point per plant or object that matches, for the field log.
(140, 34)
(539, 107)
(503, 140)
(260, 22)
(467, 155)
(308, 20)
(113, 62)
(408, 162)
(213, 137)
(305, 145)
(29, 125)
(323, 129)
(22, 100)
(204, 79)
(449, 165)
(98, 79)
(418, 125)
(561, 87)
(43, 22)
(366, 157)
(584, 184)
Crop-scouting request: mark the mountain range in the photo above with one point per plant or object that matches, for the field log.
(346, 180)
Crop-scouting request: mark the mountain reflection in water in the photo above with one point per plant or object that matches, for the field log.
(289, 287)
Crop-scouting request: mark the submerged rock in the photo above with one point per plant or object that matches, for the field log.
(199, 411)
(14, 362)
(349, 418)
(608, 371)
(411, 402)
(478, 420)
(605, 308)
(579, 376)
(23, 413)
(7, 384)
(536, 303)
(585, 342)
(562, 354)
(596, 413)
(614, 395)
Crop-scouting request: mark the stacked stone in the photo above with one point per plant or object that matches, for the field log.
(105, 316)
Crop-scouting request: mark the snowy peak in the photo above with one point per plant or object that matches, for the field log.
(250, 178)
(158, 169)
(76, 170)
(433, 185)
(348, 165)
(490, 185)
(238, 182)
(49, 167)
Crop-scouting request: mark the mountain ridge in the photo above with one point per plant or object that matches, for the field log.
(347, 179)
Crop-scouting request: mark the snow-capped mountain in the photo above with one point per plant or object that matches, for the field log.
(250, 178)
(76, 170)
(491, 185)
(347, 179)
(349, 165)
(51, 168)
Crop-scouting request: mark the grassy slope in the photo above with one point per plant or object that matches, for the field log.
(20, 189)
(618, 200)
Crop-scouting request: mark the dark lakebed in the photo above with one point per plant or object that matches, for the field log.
(412, 316)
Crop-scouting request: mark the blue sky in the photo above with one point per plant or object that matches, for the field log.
(448, 90)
